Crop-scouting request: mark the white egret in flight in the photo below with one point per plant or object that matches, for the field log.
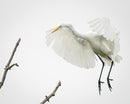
(81, 50)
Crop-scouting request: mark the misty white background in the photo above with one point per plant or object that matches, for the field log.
(40, 68)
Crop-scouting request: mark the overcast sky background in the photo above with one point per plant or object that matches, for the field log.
(40, 68)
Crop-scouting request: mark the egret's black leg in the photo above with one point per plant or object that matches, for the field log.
(108, 79)
(99, 80)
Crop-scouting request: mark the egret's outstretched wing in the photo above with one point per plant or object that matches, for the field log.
(72, 48)
(103, 26)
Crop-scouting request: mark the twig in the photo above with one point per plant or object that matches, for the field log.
(47, 98)
(8, 66)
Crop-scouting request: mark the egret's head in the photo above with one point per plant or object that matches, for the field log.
(61, 26)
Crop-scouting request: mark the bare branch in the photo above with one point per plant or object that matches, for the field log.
(8, 66)
(47, 98)
(12, 55)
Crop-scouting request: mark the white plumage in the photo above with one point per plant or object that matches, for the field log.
(81, 50)
(72, 48)
(103, 26)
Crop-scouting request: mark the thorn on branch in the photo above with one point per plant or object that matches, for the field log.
(47, 98)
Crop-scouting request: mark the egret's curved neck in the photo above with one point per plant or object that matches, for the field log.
(73, 30)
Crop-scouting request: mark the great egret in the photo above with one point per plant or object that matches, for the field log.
(81, 50)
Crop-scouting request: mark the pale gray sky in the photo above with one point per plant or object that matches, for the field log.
(40, 68)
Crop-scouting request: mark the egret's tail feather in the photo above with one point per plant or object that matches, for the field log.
(118, 58)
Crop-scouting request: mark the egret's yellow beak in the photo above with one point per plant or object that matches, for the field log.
(56, 29)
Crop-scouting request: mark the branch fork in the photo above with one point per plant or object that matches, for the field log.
(9, 67)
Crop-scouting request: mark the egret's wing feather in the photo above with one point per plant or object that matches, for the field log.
(67, 45)
(103, 26)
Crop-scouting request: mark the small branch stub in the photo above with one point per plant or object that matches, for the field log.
(8, 66)
(47, 98)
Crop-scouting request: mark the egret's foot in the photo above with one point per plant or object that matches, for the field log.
(108, 82)
(99, 85)
(1, 84)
